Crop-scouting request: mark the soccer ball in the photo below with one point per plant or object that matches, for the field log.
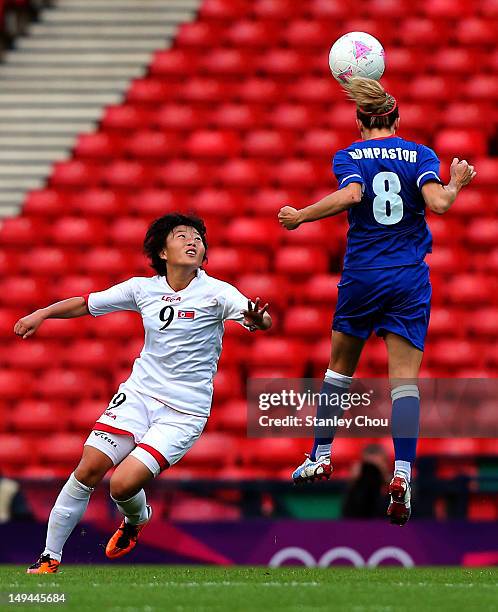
(356, 54)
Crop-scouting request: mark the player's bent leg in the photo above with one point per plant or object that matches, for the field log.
(99, 455)
(345, 354)
(127, 492)
(404, 366)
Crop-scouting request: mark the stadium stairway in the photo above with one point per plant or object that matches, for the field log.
(79, 57)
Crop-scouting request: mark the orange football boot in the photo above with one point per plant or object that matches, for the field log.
(44, 565)
(125, 538)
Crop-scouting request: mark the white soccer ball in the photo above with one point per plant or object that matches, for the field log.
(356, 54)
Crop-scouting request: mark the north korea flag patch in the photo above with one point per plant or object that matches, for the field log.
(186, 314)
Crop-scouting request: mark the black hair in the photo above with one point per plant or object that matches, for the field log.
(158, 231)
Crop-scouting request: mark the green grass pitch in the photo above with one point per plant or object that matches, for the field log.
(195, 589)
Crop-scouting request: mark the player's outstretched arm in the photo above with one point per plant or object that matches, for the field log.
(439, 198)
(66, 309)
(330, 205)
(255, 317)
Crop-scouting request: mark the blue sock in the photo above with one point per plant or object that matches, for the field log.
(337, 384)
(405, 426)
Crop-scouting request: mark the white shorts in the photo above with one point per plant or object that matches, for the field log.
(161, 435)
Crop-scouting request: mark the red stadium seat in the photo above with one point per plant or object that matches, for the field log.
(268, 143)
(155, 202)
(320, 289)
(314, 234)
(32, 354)
(461, 143)
(482, 87)
(74, 174)
(65, 384)
(34, 416)
(225, 61)
(307, 33)
(482, 233)
(183, 173)
(15, 451)
(198, 34)
(14, 383)
(298, 173)
(152, 145)
(468, 290)
(212, 144)
(98, 145)
(75, 286)
(125, 117)
(277, 452)
(404, 61)
(62, 448)
(446, 260)
(172, 117)
(442, 323)
(322, 143)
(280, 63)
(422, 33)
(259, 90)
(231, 416)
(203, 90)
(83, 415)
(453, 354)
(316, 90)
(149, 91)
(23, 292)
(234, 116)
(225, 262)
(128, 231)
(20, 231)
(475, 31)
(126, 174)
(91, 354)
(432, 87)
(484, 322)
(224, 9)
(292, 117)
(246, 231)
(278, 352)
(173, 63)
(455, 60)
(212, 449)
(216, 203)
(300, 261)
(247, 33)
(274, 9)
(99, 203)
(328, 10)
(45, 203)
(466, 115)
(308, 321)
(77, 231)
(227, 384)
(104, 261)
(46, 261)
(269, 288)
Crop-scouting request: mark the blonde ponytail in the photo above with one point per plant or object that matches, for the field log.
(372, 100)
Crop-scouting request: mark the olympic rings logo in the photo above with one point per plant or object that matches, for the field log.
(295, 553)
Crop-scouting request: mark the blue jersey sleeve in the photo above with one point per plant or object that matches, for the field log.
(427, 166)
(346, 169)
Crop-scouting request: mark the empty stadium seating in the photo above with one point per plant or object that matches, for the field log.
(239, 118)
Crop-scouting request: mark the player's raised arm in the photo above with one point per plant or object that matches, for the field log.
(66, 309)
(255, 317)
(439, 198)
(330, 205)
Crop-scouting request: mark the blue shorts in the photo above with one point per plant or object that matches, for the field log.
(396, 300)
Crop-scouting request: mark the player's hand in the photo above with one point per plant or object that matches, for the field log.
(28, 325)
(254, 316)
(461, 172)
(289, 217)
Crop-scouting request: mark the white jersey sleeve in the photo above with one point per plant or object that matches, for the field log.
(118, 297)
(233, 302)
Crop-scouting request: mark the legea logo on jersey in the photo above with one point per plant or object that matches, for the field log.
(186, 314)
(171, 298)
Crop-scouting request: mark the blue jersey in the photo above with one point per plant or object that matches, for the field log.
(387, 228)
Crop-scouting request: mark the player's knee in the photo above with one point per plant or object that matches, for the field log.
(89, 473)
(123, 487)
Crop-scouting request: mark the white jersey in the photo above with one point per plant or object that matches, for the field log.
(183, 335)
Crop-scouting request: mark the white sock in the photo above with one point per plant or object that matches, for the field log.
(134, 509)
(68, 509)
(323, 450)
(403, 468)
